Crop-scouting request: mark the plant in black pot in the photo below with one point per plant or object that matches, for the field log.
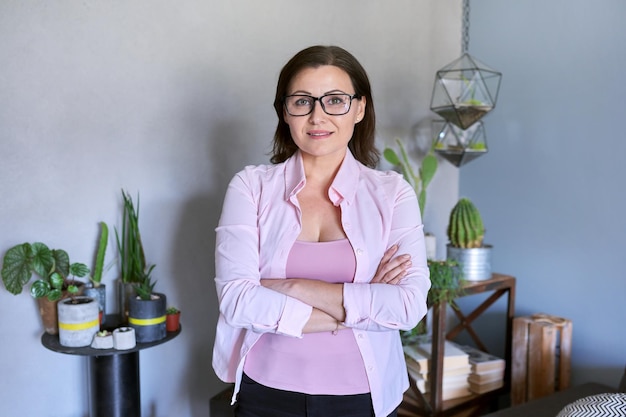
(466, 233)
(55, 277)
(147, 312)
(133, 266)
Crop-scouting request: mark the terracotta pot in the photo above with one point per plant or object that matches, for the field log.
(48, 311)
(172, 322)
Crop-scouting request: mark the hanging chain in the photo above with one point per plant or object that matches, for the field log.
(466, 25)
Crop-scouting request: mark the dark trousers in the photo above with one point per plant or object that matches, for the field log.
(256, 400)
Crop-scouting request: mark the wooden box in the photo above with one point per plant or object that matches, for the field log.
(541, 356)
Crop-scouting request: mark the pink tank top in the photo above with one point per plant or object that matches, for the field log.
(318, 363)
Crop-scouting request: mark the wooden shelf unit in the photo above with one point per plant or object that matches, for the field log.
(417, 404)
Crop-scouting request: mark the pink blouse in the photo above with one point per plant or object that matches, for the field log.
(259, 224)
(317, 363)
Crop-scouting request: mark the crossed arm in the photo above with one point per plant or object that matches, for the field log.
(327, 298)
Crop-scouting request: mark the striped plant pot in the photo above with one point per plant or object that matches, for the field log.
(147, 317)
(79, 321)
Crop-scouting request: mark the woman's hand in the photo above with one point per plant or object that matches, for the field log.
(391, 269)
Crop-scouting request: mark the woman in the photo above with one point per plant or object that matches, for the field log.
(320, 258)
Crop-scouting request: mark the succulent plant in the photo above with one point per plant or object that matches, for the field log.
(465, 229)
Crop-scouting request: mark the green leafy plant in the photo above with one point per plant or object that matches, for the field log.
(446, 278)
(96, 278)
(446, 282)
(419, 179)
(56, 273)
(465, 228)
(134, 268)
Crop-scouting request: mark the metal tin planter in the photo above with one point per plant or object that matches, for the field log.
(147, 317)
(99, 293)
(125, 291)
(475, 262)
(78, 321)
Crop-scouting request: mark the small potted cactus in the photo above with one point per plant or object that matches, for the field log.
(466, 233)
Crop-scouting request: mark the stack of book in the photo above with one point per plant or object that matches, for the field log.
(487, 370)
(456, 369)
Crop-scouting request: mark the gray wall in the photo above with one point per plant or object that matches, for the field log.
(170, 99)
(550, 189)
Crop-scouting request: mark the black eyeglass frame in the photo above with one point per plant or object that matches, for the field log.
(352, 97)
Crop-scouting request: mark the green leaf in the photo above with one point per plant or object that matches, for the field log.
(56, 280)
(391, 156)
(55, 295)
(62, 261)
(79, 270)
(72, 289)
(429, 167)
(43, 261)
(40, 288)
(17, 268)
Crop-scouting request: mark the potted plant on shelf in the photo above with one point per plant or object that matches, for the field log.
(95, 288)
(78, 318)
(147, 312)
(133, 266)
(172, 319)
(447, 281)
(55, 277)
(419, 180)
(466, 233)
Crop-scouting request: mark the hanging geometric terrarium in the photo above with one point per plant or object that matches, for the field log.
(459, 146)
(465, 90)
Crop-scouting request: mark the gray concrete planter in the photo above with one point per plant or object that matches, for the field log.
(475, 262)
(78, 321)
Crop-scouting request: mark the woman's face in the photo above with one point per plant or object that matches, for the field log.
(319, 134)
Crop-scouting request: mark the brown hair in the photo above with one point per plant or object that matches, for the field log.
(362, 143)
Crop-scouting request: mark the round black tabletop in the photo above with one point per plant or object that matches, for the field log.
(112, 322)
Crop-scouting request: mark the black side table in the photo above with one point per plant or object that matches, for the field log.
(114, 374)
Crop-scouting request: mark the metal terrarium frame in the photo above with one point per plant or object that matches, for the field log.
(464, 92)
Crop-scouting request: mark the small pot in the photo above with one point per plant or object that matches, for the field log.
(172, 322)
(103, 341)
(124, 338)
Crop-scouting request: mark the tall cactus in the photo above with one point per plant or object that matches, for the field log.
(465, 229)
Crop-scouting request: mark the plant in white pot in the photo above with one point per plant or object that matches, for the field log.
(52, 268)
(466, 233)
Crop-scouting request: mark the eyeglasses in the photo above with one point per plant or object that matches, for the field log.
(332, 104)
